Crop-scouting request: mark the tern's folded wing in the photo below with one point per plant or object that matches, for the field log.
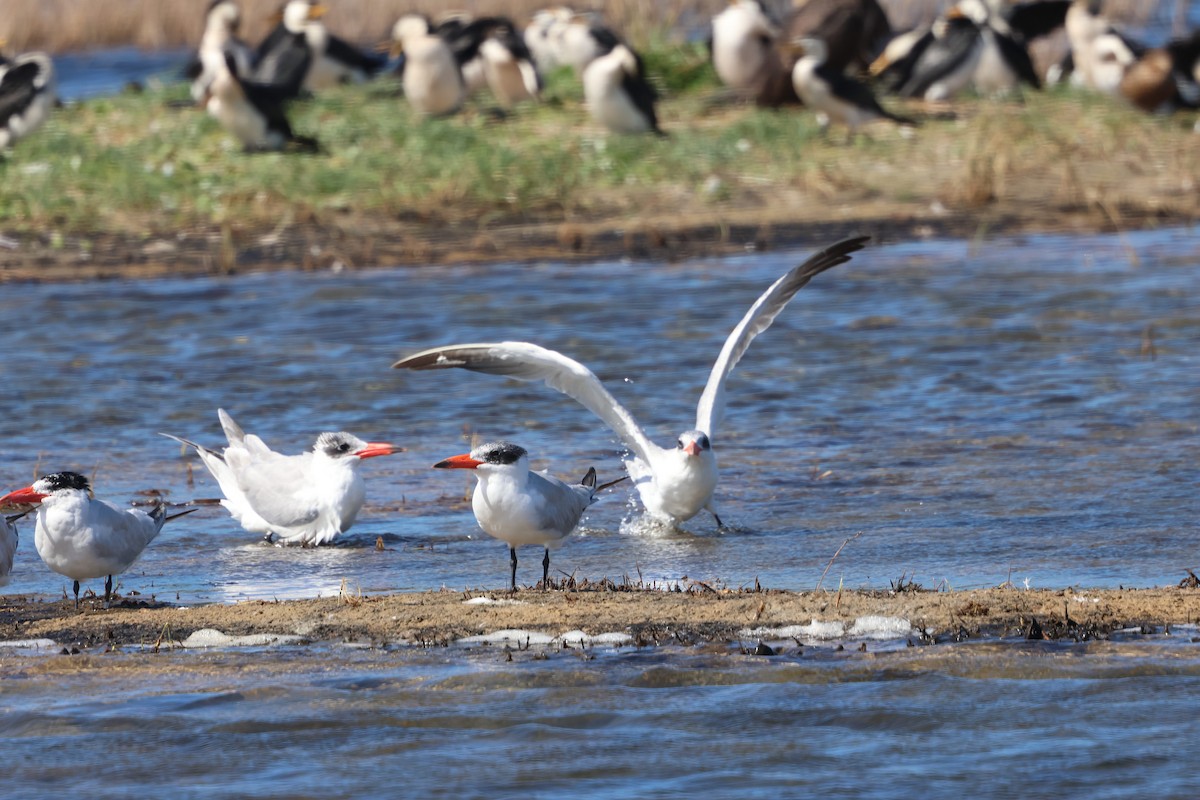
(277, 488)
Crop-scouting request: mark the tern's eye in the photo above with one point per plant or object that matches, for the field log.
(344, 447)
(679, 444)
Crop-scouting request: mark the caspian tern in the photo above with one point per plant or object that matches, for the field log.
(675, 483)
(306, 499)
(81, 537)
(8, 545)
(518, 506)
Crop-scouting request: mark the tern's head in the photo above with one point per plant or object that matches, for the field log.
(693, 443)
(56, 483)
(342, 445)
(492, 456)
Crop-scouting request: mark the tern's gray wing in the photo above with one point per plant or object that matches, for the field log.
(530, 362)
(561, 505)
(760, 316)
(276, 487)
(239, 438)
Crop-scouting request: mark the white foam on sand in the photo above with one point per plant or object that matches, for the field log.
(581, 638)
(487, 601)
(32, 646)
(868, 627)
(509, 636)
(876, 627)
(523, 638)
(210, 637)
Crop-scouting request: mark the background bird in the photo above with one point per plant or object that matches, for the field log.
(27, 93)
(509, 68)
(84, 538)
(518, 506)
(305, 499)
(743, 43)
(254, 112)
(674, 483)
(943, 63)
(854, 31)
(617, 93)
(432, 79)
(287, 58)
(834, 94)
(221, 24)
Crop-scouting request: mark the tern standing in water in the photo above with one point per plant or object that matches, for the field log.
(518, 506)
(306, 499)
(81, 537)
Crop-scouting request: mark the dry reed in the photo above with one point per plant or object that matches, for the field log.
(66, 25)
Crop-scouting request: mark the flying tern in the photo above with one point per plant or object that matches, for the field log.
(518, 506)
(81, 537)
(674, 483)
(305, 499)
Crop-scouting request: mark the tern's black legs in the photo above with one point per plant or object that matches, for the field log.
(107, 590)
(717, 518)
(76, 594)
(546, 570)
(513, 552)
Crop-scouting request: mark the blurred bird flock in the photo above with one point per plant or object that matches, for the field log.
(418, 128)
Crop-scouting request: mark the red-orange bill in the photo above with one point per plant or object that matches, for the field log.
(458, 462)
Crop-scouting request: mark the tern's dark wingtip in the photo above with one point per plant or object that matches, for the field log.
(417, 361)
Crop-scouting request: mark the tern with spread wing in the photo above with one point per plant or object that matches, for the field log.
(674, 483)
(306, 499)
(518, 506)
(81, 537)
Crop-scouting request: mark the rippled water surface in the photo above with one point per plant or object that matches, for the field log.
(1024, 409)
(1102, 720)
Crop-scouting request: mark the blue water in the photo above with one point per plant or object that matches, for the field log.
(1103, 720)
(1022, 409)
(1025, 409)
(100, 72)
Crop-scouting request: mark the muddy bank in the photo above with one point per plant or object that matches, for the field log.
(367, 242)
(698, 614)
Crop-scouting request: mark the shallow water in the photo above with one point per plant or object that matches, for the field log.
(977, 412)
(1102, 720)
(99, 72)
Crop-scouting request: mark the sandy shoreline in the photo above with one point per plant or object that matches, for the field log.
(648, 617)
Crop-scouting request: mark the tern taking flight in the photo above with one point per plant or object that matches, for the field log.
(518, 506)
(81, 537)
(674, 483)
(306, 499)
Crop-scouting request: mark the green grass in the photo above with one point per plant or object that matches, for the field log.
(134, 166)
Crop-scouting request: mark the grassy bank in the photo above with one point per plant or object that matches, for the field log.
(130, 180)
